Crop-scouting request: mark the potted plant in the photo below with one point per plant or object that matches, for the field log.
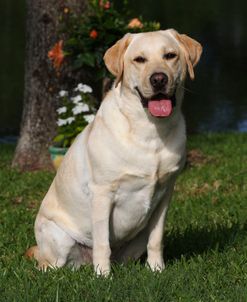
(75, 111)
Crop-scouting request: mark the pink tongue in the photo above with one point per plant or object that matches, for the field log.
(160, 107)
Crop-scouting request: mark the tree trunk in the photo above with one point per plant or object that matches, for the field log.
(41, 83)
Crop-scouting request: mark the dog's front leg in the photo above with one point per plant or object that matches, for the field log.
(155, 241)
(101, 211)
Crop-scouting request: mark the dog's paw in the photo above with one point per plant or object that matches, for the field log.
(102, 270)
(156, 265)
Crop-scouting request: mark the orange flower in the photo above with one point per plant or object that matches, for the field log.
(56, 54)
(93, 34)
(135, 23)
(105, 5)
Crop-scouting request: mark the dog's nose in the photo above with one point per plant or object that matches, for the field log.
(158, 80)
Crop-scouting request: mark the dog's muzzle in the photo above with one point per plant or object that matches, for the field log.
(159, 105)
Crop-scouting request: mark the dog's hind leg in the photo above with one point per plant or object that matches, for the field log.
(54, 246)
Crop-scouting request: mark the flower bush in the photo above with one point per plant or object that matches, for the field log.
(90, 35)
(75, 112)
(85, 38)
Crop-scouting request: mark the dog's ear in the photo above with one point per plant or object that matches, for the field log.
(114, 57)
(192, 50)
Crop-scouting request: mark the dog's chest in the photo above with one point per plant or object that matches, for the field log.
(139, 193)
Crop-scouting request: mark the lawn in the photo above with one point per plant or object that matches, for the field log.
(205, 236)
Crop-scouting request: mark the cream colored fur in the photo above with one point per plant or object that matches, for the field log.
(112, 191)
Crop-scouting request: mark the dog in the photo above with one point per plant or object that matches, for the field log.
(109, 199)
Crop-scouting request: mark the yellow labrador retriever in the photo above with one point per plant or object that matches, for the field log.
(110, 196)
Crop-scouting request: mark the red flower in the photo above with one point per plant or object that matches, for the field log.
(105, 5)
(93, 34)
(56, 54)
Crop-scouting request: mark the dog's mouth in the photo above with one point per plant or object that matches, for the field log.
(159, 105)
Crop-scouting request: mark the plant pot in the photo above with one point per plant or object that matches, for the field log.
(57, 155)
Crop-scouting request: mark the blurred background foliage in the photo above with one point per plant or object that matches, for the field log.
(216, 101)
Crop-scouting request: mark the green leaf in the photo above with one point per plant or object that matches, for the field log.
(84, 59)
(58, 138)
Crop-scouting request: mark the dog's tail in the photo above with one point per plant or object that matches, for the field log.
(32, 252)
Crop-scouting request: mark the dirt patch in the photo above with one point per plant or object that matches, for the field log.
(196, 157)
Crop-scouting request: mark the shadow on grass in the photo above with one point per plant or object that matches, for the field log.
(196, 241)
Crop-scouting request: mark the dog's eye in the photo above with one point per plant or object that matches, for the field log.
(140, 59)
(170, 55)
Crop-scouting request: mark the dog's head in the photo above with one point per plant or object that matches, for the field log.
(154, 65)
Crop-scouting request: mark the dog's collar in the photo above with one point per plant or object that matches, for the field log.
(145, 101)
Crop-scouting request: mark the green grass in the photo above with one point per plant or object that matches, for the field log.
(205, 237)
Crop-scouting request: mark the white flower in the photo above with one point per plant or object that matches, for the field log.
(79, 108)
(83, 88)
(89, 118)
(76, 99)
(61, 122)
(78, 87)
(63, 93)
(62, 110)
(70, 120)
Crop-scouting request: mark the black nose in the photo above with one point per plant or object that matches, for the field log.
(158, 80)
